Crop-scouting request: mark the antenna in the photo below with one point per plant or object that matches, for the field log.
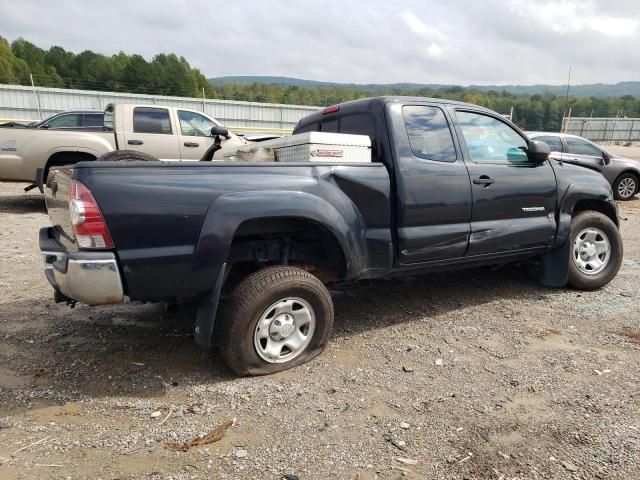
(566, 98)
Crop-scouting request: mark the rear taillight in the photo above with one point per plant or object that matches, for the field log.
(90, 229)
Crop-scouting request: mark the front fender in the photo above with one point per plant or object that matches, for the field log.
(554, 266)
(575, 193)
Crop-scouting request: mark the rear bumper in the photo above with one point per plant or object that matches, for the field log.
(88, 277)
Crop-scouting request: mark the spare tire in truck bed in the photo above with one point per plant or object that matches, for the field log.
(126, 155)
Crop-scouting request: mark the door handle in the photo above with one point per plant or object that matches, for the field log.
(484, 180)
(135, 142)
(191, 144)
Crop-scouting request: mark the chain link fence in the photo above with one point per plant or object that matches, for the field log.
(603, 129)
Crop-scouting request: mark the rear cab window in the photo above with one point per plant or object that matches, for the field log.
(429, 133)
(151, 120)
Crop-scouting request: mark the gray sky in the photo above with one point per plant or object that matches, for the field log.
(364, 41)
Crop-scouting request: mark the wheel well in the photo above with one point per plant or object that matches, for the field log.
(631, 172)
(602, 207)
(67, 158)
(286, 241)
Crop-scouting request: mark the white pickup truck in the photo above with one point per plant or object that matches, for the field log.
(167, 133)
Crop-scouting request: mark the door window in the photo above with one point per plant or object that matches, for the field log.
(193, 124)
(580, 147)
(555, 144)
(151, 120)
(93, 120)
(429, 134)
(490, 140)
(71, 120)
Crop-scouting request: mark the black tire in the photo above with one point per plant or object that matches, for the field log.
(625, 180)
(595, 220)
(131, 155)
(251, 299)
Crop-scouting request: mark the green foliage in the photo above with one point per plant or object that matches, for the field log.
(56, 67)
(167, 74)
(530, 112)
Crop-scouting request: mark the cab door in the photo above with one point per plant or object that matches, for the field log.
(514, 199)
(433, 206)
(150, 131)
(194, 136)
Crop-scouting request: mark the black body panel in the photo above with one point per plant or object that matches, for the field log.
(173, 224)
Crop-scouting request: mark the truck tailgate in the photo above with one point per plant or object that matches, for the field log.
(57, 193)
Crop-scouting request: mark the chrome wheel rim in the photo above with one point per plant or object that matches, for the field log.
(591, 251)
(627, 187)
(284, 330)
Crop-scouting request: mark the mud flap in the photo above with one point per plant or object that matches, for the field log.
(206, 316)
(39, 183)
(40, 179)
(554, 266)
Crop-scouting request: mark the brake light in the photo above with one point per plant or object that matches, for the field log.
(331, 109)
(90, 229)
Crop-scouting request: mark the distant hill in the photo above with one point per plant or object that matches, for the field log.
(598, 90)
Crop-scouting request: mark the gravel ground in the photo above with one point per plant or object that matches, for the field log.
(630, 151)
(473, 375)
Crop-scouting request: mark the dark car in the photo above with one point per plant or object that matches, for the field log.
(74, 119)
(622, 173)
(449, 185)
(71, 120)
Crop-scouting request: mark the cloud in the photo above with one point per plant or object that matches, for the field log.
(414, 23)
(364, 41)
(577, 17)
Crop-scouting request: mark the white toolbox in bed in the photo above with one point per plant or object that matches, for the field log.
(306, 147)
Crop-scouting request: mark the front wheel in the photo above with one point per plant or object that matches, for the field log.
(596, 250)
(275, 319)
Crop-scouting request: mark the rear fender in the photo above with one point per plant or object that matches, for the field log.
(228, 212)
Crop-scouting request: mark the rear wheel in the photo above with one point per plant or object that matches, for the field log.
(625, 186)
(596, 250)
(276, 318)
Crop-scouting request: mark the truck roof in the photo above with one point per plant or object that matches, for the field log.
(369, 103)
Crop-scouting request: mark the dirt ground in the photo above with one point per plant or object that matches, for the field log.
(630, 151)
(471, 375)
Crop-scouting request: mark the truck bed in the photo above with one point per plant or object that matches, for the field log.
(158, 213)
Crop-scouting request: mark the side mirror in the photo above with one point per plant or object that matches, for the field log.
(538, 152)
(606, 158)
(44, 125)
(219, 131)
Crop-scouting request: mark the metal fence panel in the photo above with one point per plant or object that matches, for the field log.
(604, 129)
(26, 103)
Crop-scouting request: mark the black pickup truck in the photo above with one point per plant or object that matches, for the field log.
(450, 185)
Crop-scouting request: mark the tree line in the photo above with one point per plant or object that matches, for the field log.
(57, 67)
(168, 74)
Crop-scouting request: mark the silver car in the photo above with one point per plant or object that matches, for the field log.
(622, 173)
